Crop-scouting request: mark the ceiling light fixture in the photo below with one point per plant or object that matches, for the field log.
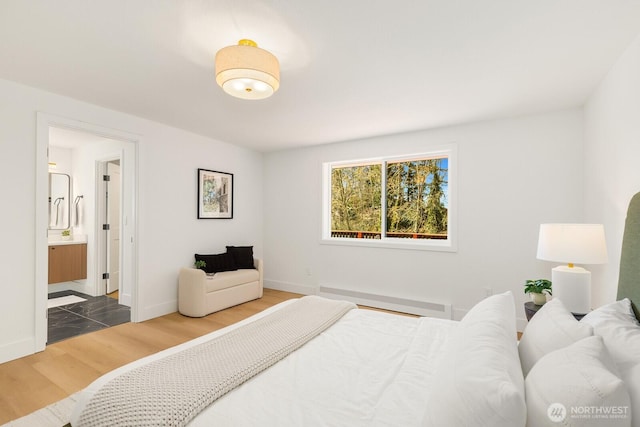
(246, 71)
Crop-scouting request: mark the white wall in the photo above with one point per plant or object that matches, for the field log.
(512, 175)
(169, 233)
(63, 159)
(612, 161)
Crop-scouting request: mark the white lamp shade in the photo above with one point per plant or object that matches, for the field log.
(572, 243)
(246, 71)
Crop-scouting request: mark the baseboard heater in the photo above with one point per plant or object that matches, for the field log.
(404, 305)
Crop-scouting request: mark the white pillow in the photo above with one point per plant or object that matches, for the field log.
(479, 382)
(618, 326)
(580, 385)
(552, 328)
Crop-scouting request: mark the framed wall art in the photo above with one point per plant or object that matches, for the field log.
(215, 194)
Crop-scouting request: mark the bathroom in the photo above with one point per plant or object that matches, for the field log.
(86, 292)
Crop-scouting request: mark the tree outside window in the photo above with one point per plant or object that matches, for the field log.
(356, 205)
(415, 199)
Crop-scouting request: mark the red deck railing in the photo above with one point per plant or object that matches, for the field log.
(352, 234)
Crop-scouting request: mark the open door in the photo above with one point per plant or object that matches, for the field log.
(113, 219)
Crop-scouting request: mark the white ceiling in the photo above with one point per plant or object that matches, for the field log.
(349, 69)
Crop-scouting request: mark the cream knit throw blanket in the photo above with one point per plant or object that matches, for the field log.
(173, 390)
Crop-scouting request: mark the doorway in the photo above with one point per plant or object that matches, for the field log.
(115, 253)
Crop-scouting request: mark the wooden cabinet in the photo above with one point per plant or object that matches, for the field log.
(67, 262)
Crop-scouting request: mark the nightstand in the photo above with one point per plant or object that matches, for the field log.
(530, 309)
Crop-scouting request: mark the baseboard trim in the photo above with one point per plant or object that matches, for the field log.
(290, 287)
(388, 302)
(455, 313)
(17, 349)
(125, 299)
(157, 310)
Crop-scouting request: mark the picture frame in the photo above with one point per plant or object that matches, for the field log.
(215, 194)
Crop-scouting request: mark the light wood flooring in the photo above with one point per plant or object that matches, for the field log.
(35, 381)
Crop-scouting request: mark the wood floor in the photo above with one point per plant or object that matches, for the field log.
(35, 381)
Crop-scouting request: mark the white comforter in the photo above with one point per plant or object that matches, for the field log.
(369, 369)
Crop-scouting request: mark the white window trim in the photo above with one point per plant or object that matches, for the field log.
(448, 245)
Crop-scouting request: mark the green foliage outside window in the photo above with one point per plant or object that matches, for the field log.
(355, 198)
(416, 199)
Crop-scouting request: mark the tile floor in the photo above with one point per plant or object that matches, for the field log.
(87, 316)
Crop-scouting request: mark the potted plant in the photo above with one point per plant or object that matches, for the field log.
(537, 288)
(66, 234)
(200, 264)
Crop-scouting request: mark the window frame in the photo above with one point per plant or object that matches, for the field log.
(445, 245)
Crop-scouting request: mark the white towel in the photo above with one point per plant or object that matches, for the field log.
(79, 208)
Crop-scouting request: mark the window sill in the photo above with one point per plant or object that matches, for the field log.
(434, 245)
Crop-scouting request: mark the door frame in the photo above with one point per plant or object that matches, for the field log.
(43, 122)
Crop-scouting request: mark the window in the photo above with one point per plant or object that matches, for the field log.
(356, 203)
(400, 201)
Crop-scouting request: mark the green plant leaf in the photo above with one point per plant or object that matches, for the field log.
(538, 286)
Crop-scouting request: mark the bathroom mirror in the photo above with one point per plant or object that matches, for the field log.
(59, 201)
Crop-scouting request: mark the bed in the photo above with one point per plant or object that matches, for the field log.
(341, 371)
(369, 368)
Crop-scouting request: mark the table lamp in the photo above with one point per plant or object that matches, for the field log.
(572, 244)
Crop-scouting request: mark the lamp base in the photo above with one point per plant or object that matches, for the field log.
(572, 286)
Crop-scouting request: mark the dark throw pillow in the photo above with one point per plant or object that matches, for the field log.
(217, 262)
(242, 255)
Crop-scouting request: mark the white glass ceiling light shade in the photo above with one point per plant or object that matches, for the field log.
(246, 71)
(572, 244)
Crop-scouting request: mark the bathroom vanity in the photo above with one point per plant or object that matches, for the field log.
(67, 261)
(67, 254)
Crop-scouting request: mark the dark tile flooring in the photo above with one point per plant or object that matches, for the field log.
(87, 316)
